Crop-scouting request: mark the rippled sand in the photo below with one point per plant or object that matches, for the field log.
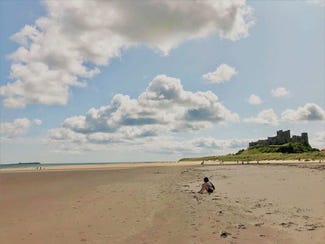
(160, 204)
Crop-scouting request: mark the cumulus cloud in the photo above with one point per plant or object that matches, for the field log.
(68, 46)
(215, 144)
(201, 145)
(222, 73)
(267, 117)
(164, 107)
(309, 112)
(18, 127)
(254, 99)
(280, 92)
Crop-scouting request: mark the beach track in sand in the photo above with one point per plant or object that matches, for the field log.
(160, 204)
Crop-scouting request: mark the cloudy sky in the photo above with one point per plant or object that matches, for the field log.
(107, 81)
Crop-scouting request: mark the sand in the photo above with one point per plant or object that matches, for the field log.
(159, 203)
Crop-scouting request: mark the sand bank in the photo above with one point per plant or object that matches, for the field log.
(100, 166)
(156, 204)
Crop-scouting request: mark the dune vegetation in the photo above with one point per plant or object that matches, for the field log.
(289, 151)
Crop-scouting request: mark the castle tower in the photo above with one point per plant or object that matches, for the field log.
(282, 137)
(304, 138)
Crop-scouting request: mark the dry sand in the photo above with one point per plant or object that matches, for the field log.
(159, 203)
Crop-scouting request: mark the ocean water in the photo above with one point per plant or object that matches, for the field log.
(32, 165)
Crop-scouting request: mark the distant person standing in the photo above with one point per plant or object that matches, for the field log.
(207, 186)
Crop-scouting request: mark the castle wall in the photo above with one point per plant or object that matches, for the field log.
(282, 137)
(301, 139)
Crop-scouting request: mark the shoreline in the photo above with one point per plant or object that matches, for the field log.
(127, 165)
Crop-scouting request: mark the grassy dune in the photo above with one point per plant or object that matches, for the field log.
(264, 153)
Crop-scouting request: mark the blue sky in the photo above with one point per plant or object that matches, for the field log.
(83, 81)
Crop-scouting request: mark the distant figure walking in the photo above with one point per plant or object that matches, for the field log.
(202, 163)
(207, 186)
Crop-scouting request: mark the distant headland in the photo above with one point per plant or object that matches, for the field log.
(30, 163)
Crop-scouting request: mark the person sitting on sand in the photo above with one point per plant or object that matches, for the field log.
(207, 186)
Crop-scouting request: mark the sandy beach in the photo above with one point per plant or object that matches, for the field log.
(159, 203)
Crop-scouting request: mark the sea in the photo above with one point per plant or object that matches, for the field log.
(33, 165)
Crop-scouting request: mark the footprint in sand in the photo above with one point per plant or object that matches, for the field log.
(268, 204)
(287, 224)
(196, 198)
(311, 227)
(257, 205)
(216, 198)
(241, 226)
(224, 234)
(259, 224)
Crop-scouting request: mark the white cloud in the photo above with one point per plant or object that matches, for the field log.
(17, 128)
(267, 117)
(254, 99)
(165, 144)
(309, 112)
(222, 73)
(320, 3)
(37, 122)
(163, 108)
(201, 145)
(164, 103)
(280, 92)
(215, 144)
(66, 47)
(318, 140)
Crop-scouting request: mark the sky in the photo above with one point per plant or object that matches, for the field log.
(118, 81)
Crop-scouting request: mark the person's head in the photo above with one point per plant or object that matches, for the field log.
(206, 179)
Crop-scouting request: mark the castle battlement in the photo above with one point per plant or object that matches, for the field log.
(282, 137)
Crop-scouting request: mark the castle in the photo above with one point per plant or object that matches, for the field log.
(282, 137)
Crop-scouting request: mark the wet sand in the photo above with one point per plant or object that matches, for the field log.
(160, 204)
